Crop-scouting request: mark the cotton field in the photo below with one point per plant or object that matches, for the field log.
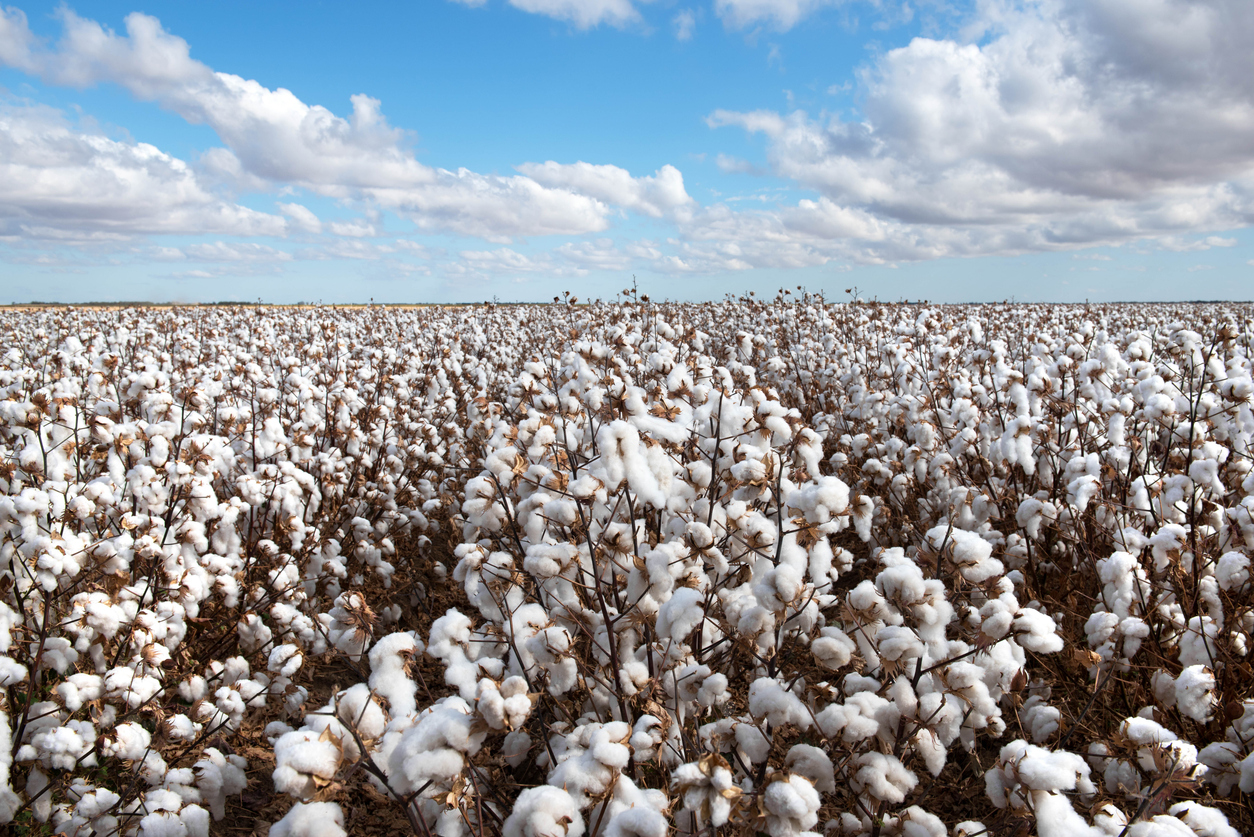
(627, 570)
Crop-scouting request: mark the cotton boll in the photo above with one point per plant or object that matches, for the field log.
(792, 806)
(1039, 719)
(680, 614)
(357, 709)
(1195, 693)
(543, 811)
(434, 748)
(311, 819)
(1202, 820)
(814, 765)
(504, 707)
(1232, 571)
(769, 700)
(219, 776)
(1037, 632)
(305, 759)
(127, 741)
(882, 777)
(11, 672)
(833, 649)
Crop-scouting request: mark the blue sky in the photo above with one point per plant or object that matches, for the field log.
(460, 150)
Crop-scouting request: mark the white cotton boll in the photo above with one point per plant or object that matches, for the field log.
(751, 742)
(1197, 643)
(543, 811)
(196, 820)
(970, 828)
(58, 654)
(916, 822)
(1037, 632)
(928, 746)
(448, 643)
(1202, 820)
(833, 649)
(883, 777)
(162, 824)
(285, 660)
(181, 728)
(434, 748)
(1039, 719)
(11, 672)
(515, 747)
(127, 741)
(637, 821)
(792, 806)
(1195, 693)
(769, 700)
(814, 764)
(219, 776)
(305, 759)
(505, 706)
(898, 642)
(680, 614)
(357, 708)
(1232, 571)
(311, 819)
(135, 690)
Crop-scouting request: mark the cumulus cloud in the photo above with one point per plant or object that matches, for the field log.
(301, 217)
(582, 13)
(1067, 123)
(225, 251)
(356, 228)
(75, 187)
(273, 136)
(658, 195)
(779, 14)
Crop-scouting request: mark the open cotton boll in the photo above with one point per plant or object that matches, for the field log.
(970, 553)
(126, 741)
(833, 649)
(505, 706)
(814, 764)
(544, 811)
(680, 614)
(792, 806)
(882, 777)
(707, 788)
(1202, 820)
(449, 642)
(1195, 693)
(304, 760)
(219, 776)
(1232, 571)
(11, 672)
(595, 753)
(770, 701)
(311, 819)
(434, 748)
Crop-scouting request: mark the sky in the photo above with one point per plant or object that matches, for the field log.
(469, 150)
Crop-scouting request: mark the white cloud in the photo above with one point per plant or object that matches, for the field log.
(779, 14)
(728, 164)
(1182, 245)
(271, 135)
(63, 184)
(594, 255)
(685, 23)
(658, 195)
(302, 217)
(1069, 123)
(224, 251)
(582, 13)
(356, 228)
